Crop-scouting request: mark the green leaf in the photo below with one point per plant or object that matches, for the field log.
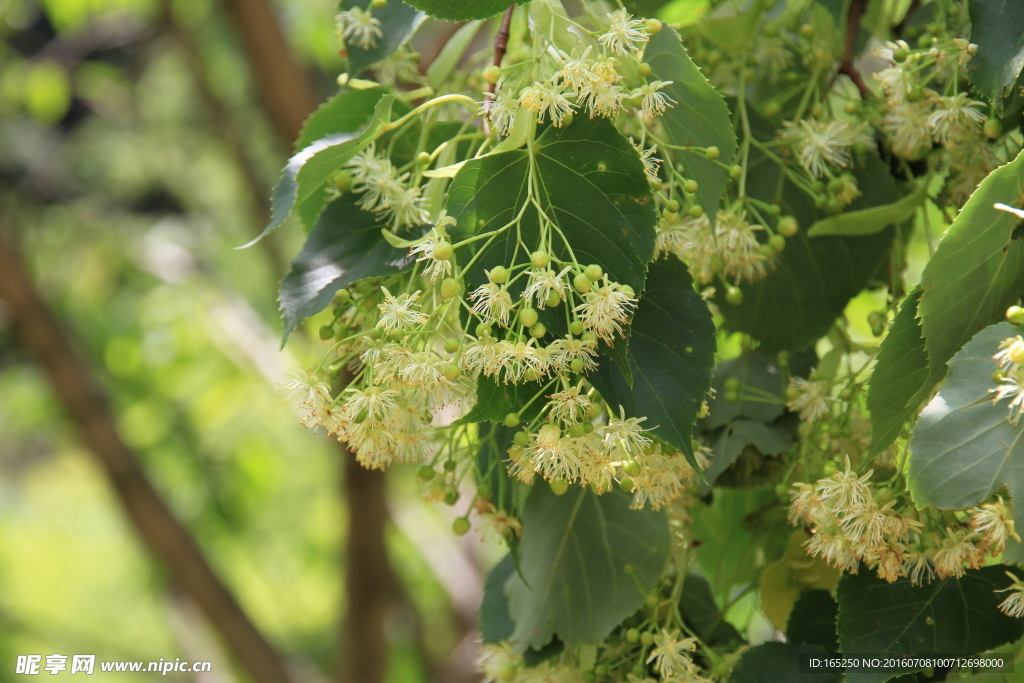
(758, 374)
(996, 28)
(346, 112)
(873, 220)
(796, 305)
(731, 29)
(813, 621)
(461, 10)
(398, 21)
(702, 615)
(495, 623)
(444, 64)
(964, 449)
(899, 375)
(495, 400)
(946, 616)
(574, 553)
(778, 663)
(671, 353)
(768, 439)
(977, 269)
(592, 187)
(739, 533)
(700, 117)
(345, 245)
(306, 172)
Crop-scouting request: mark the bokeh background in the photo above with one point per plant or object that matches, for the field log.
(139, 140)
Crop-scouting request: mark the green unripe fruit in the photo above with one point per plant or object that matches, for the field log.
(425, 472)
(450, 287)
(507, 673)
(835, 186)
(636, 101)
(326, 332)
(576, 430)
(576, 327)
(646, 638)
(777, 243)
(451, 346)
(443, 251)
(449, 465)
(498, 275)
(833, 206)
(696, 211)
(360, 417)
(672, 206)
(997, 376)
(483, 330)
(820, 202)
(423, 159)
(528, 317)
(576, 365)
(491, 74)
(521, 438)
(632, 636)
(436, 489)
(733, 384)
(876, 320)
(379, 3)
(582, 283)
(559, 486)
(670, 217)
(375, 334)
(806, 30)
(626, 289)
(342, 296)
(537, 330)
(734, 295)
(717, 265)
(916, 94)
(1015, 314)
(817, 187)
(1016, 352)
(774, 209)
(735, 171)
(787, 226)
(600, 670)
(852, 107)
(540, 259)
(644, 69)
(593, 272)
(632, 468)
(899, 55)
(451, 497)
(690, 186)
(653, 26)
(993, 128)
(766, 251)
(626, 485)
(818, 110)
(712, 153)
(771, 30)
(460, 527)
(397, 334)
(483, 492)
(511, 420)
(530, 375)
(732, 397)
(772, 109)
(553, 298)
(452, 372)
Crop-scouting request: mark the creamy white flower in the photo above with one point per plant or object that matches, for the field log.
(492, 303)
(653, 102)
(545, 100)
(399, 312)
(360, 27)
(606, 309)
(820, 145)
(625, 34)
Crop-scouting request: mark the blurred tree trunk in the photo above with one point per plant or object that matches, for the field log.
(88, 406)
(284, 86)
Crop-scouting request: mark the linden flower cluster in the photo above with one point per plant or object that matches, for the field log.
(916, 116)
(851, 522)
(382, 190)
(359, 27)
(730, 250)
(824, 146)
(592, 81)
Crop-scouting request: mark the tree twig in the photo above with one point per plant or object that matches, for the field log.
(847, 67)
(501, 40)
(88, 406)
